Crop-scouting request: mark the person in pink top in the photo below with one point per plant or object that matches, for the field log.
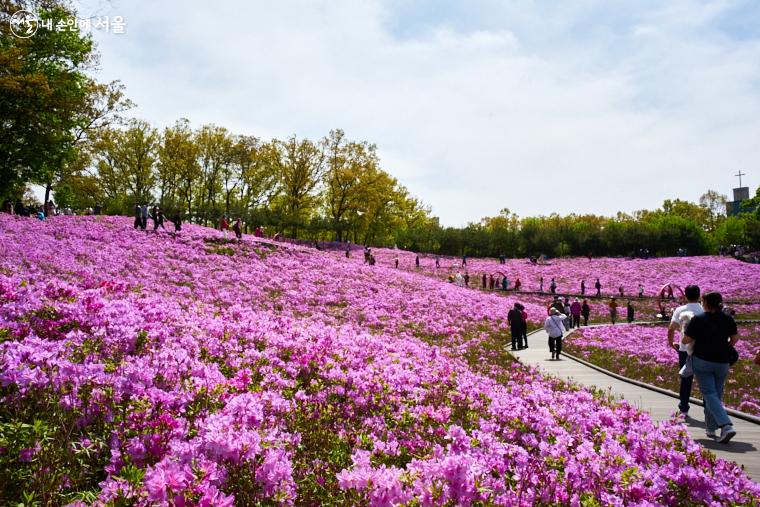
(575, 312)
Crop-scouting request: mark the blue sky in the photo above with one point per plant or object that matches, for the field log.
(574, 106)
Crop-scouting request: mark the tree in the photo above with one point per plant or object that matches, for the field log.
(44, 97)
(715, 204)
(178, 168)
(214, 147)
(300, 165)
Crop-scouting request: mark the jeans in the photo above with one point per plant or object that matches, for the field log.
(517, 336)
(712, 377)
(576, 321)
(684, 393)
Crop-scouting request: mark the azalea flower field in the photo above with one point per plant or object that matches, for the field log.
(736, 280)
(196, 370)
(640, 352)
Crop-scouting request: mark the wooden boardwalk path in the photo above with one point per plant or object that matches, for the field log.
(744, 449)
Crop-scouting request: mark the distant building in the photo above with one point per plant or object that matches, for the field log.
(734, 207)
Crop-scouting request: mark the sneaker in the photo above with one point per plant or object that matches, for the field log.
(727, 432)
(684, 416)
(711, 433)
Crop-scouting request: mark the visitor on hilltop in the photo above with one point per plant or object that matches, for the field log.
(504, 283)
(177, 221)
(437, 262)
(464, 260)
(629, 312)
(348, 252)
(491, 282)
(567, 311)
(154, 216)
(367, 254)
(372, 260)
(138, 216)
(484, 278)
(692, 293)
(514, 319)
(541, 284)
(714, 335)
(224, 225)
(459, 279)
(575, 313)
(158, 219)
(518, 284)
(598, 287)
(466, 279)
(524, 324)
(18, 209)
(502, 259)
(641, 290)
(8, 206)
(583, 287)
(395, 261)
(259, 233)
(585, 312)
(238, 228)
(621, 291)
(144, 213)
(613, 306)
(555, 329)
(553, 286)
(417, 261)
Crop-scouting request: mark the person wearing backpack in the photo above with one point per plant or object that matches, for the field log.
(555, 329)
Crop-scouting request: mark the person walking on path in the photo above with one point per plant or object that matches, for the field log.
(692, 293)
(514, 319)
(583, 287)
(518, 284)
(553, 286)
(504, 283)
(713, 333)
(585, 311)
(525, 326)
(555, 329)
(621, 291)
(598, 287)
(641, 291)
(613, 305)
(484, 279)
(629, 312)
(575, 313)
(541, 284)
(567, 312)
(491, 282)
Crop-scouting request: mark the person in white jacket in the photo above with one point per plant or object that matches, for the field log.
(555, 328)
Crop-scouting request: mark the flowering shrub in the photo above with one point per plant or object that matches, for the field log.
(148, 369)
(733, 278)
(641, 352)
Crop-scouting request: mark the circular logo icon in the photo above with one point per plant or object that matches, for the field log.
(24, 24)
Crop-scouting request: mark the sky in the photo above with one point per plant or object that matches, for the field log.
(573, 106)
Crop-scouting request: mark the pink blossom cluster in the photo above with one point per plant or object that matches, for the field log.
(733, 278)
(202, 371)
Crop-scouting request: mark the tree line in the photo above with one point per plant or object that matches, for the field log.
(62, 129)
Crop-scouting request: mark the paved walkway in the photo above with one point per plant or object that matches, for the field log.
(744, 449)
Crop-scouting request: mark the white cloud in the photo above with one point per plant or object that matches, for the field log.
(574, 109)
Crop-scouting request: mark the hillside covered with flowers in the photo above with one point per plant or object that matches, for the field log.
(154, 369)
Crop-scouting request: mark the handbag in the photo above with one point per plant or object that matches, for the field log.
(687, 369)
(733, 355)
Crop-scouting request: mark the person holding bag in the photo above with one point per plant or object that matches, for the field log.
(555, 329)
(714, 335)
